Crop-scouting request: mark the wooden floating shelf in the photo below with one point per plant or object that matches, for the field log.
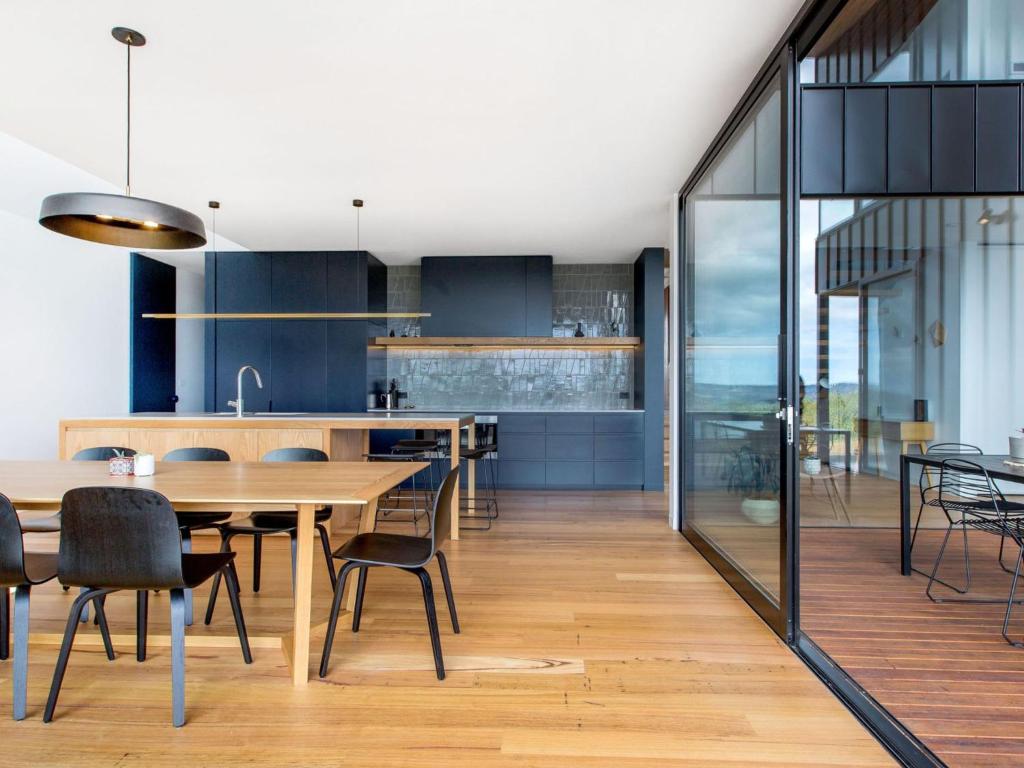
(281, 315)
(507, 342)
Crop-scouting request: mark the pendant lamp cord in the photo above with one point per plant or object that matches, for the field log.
(358, 211)
(128, 133)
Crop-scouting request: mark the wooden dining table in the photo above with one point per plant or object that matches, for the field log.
(235, 486)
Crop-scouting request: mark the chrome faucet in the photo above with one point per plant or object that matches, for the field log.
(239, 404)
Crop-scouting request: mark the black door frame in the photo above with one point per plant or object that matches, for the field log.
(814, 17)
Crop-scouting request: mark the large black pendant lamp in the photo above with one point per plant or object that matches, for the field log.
(123, 220)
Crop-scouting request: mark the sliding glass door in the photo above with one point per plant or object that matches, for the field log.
(736, 423)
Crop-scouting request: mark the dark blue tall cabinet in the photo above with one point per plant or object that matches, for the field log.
(307, 365)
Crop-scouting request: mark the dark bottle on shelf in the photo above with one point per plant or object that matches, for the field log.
(579, 331)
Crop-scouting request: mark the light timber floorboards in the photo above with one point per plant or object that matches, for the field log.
(592, 636)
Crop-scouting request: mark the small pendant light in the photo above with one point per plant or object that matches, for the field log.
(123, 220)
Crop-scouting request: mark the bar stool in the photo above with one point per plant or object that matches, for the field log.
(427, 448)
(395, 496)
(490, 499)
(196, 521)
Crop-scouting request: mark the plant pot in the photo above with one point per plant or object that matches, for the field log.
(1017, 447)
(761, 511)
(812, 465)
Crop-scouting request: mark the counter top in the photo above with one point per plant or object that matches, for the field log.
(277, 418)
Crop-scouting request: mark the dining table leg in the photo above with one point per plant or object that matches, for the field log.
(456, 506)
(303, 594)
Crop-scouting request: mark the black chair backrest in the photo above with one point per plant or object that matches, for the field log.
(296, 454)
(925, 481)
(119, 537)
(441, 516)
(966, 481)
(101, 453)
(197, 454)
(12, 551)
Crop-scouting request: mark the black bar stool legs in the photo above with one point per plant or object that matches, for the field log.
(471, 510)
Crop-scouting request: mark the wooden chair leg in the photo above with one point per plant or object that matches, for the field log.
(357, 612)
(20, 677)
(74, 617)
(442, 563)
(101, 621)
(141, 623)
(231, 577)
(178, 657)
(5, 623)
(325, 542)
(225, 546)
(257, 560)
(435, 635)
(332, 623)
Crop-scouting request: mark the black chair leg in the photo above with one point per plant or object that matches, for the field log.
(20, 677)
(231, 578)
(5, 623)
(332, 624)
(357, 613)
(101, 621)
(225, 546)
(293, 535)
(257, 560)
(74, 616)
(325, 541)
(186, 547)
(1009, 602)
(442, 563)
(435, 635)
(178, 657)
(141, 623)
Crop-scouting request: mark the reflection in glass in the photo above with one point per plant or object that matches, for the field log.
(731, 365)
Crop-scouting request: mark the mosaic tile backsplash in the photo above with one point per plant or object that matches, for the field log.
(595, 295)
(512, 379)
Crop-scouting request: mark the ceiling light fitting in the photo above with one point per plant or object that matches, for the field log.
(123, 220)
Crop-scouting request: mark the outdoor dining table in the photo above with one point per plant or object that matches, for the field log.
(235, 486)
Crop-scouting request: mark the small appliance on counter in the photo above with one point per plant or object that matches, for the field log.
(391, 400)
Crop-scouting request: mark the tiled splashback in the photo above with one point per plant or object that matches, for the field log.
(510, 379)
(595, 295)
(529, 379)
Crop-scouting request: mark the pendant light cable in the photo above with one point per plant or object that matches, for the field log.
(128, 133)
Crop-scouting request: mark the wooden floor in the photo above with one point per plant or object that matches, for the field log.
(592, 636)
(944, 670)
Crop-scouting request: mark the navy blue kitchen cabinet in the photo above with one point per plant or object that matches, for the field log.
(241, 285)
(298, 367)
(571, 450)
(486, 295)
(306, 365)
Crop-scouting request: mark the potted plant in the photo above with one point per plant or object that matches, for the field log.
(755, 476)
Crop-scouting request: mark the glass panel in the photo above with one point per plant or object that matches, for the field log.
(731, 366)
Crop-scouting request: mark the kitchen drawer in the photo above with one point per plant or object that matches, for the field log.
(520, 446)
(570, 474)
(520, 474)
(621, 447)
(582, 423)
(618, 474)
(618, 422)
(520, 422)
(570, 447)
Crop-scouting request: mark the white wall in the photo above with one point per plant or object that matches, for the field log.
(64, 338)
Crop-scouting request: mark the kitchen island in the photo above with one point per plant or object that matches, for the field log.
(342, 436)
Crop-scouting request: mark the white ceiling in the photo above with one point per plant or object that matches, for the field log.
(468, 126)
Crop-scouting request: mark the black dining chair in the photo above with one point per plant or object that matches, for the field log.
(407, 553)
(198, 520)
(260, 524)
(23, 570)
(127, 539)
(972, 501)
(51, 524)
